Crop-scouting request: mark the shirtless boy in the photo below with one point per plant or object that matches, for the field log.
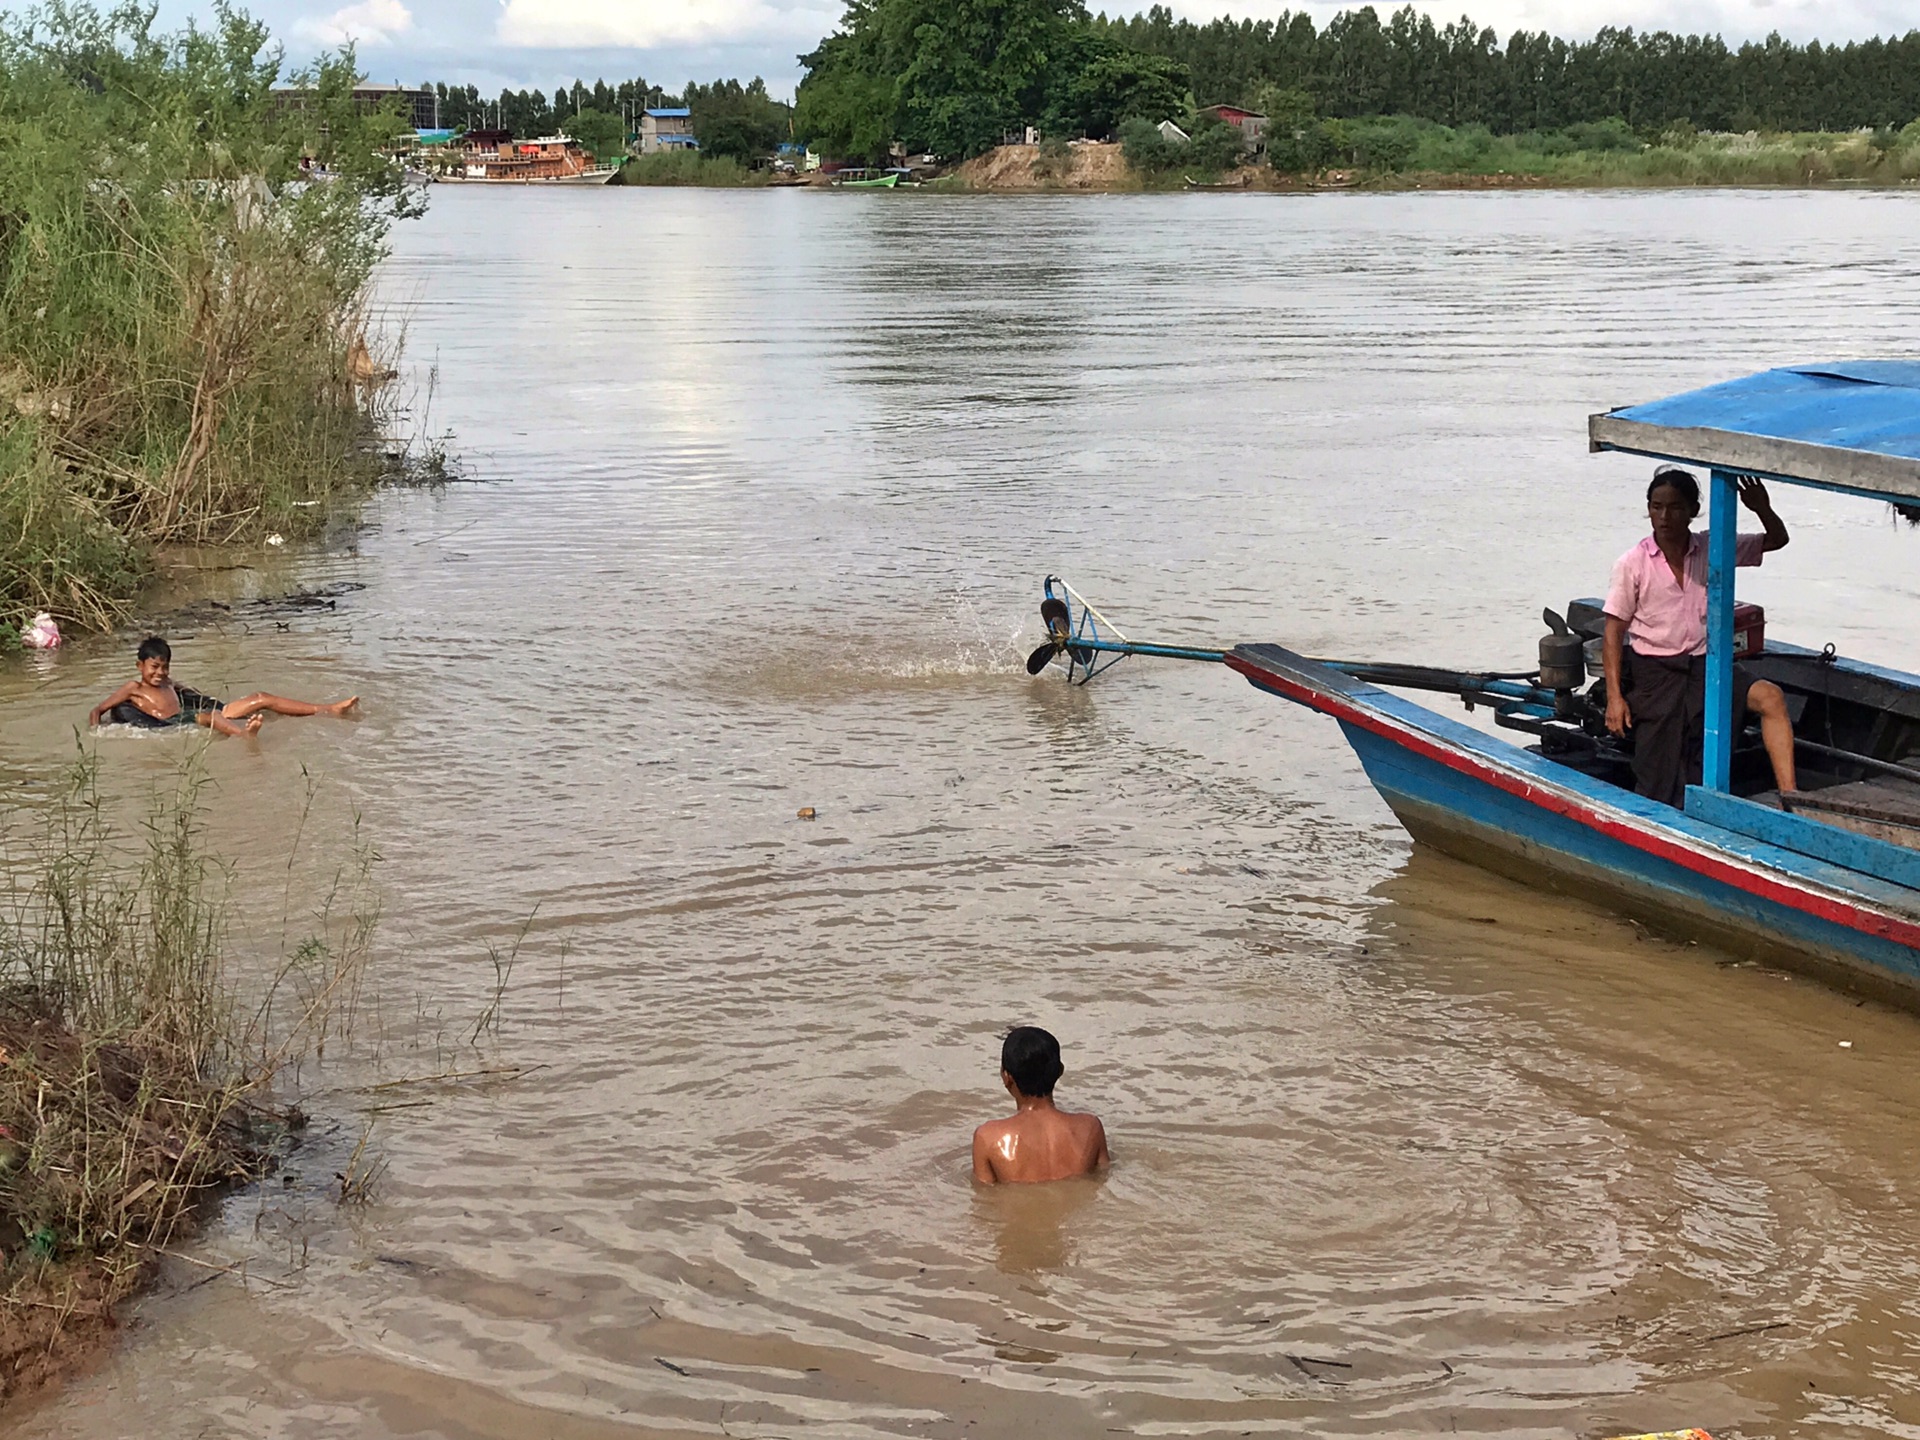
(1038, 1142)
(154, 702)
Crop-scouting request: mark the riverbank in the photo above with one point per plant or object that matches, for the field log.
(139, 1073)
(1407, 155)
(188, 355)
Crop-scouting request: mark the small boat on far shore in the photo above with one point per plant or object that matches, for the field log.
(867, 180)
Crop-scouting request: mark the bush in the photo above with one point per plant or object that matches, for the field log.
(1310, 145)
(1054, 160)
(1211, 146)
(1382, 144)
(1146, 149)
(1214, 146)
(140, 1070)
(687, 167)
(1604, 136)
(183, 340)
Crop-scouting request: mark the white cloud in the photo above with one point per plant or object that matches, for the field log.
(367, 22)
(648, 24)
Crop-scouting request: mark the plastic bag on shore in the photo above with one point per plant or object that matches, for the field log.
(41, 633)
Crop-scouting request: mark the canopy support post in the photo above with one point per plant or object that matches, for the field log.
(1724, 518)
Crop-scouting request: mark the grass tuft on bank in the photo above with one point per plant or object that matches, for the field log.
(185, 353)
(689, 167)
(138, 1077)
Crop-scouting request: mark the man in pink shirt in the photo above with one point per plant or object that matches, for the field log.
(1656, 642)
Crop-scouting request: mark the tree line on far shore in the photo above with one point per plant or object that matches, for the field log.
(953, 77)
(730, 118)
(1462, 74)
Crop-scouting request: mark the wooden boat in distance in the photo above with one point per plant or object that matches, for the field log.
(594, 176)
(1825, 880)
(866, 180)
(494, 157)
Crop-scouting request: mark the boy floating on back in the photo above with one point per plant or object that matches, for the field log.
(1038, 1142)
(154, 702)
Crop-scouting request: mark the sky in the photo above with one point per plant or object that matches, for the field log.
(529, 44)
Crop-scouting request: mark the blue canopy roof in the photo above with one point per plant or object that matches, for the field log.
(1850, 425)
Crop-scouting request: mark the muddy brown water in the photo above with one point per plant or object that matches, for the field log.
(770, 482)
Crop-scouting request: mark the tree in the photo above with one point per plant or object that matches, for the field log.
(842, 107)
(946, 76)
(741, 121)
(1101, 83)
(604, 134)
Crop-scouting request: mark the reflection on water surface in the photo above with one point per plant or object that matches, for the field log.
(1400, 1147)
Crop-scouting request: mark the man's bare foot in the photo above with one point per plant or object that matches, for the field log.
(342, 707)
(253, 724)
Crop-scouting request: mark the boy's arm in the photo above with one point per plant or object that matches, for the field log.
(983, 1158)
(125, 692)
(1101, 1159)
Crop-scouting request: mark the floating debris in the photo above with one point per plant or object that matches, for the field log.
(41, 633)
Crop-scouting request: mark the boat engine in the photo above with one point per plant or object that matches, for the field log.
(1563, 659)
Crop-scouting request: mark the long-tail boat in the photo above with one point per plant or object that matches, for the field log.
(1825, 879)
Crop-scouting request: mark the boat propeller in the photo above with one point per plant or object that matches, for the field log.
(1059, 622)
(1092, 643)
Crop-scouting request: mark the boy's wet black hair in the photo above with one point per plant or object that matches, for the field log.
(1032, 1057)
(154, 648)
(1681, 480)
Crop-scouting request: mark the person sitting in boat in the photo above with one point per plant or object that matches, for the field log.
(152, 701)
(1037, 1142)
(1656, 642)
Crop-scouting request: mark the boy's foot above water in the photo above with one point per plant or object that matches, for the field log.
(151, 700)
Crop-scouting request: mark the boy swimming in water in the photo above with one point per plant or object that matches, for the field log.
(1038, 1142)
(154, 702)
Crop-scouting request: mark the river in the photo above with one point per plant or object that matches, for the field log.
(765, 485)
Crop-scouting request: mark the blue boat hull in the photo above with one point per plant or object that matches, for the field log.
(1490, 828)
(1493, 804)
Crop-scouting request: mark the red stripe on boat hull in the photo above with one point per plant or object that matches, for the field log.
(1752, 882)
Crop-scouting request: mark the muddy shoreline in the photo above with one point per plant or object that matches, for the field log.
(1100, 168)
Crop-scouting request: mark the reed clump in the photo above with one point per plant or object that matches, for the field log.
(185, 354)
(689, 167)
(138, 1080)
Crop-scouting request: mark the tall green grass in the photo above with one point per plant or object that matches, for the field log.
(184, 349)
(688, 167)
(1608, 153)
(139, 1073)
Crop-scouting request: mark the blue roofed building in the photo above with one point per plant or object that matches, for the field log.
(669, 128)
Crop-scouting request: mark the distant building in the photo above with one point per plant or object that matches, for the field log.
(668, 129)
(1172, 133)
(421, 107)
(1251, 124)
